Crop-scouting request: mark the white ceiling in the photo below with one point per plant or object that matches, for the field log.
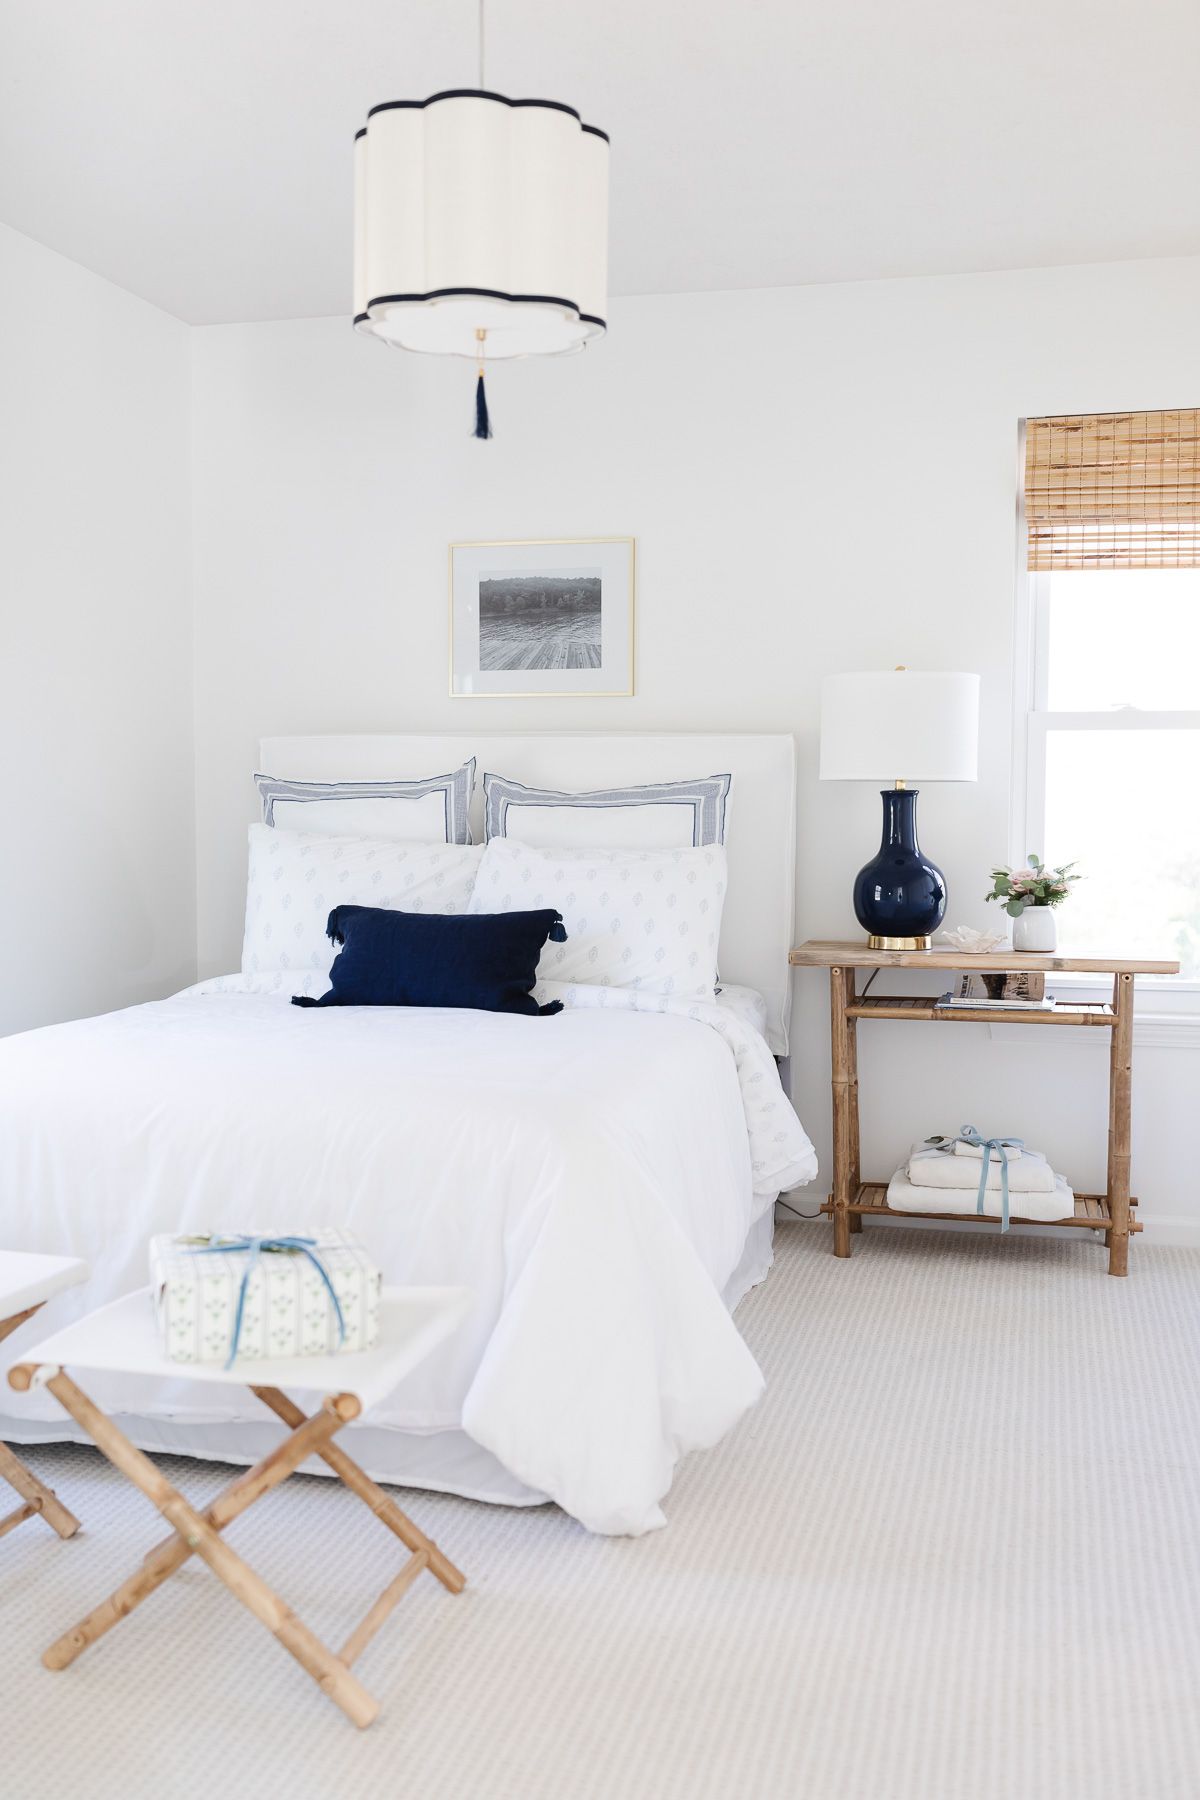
(198, 151)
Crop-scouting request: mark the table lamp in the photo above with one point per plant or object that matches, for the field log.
(926, 725)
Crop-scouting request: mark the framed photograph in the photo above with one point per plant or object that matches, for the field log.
(542, 616)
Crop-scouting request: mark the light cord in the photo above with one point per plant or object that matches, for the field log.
(481, 80)
(795, 1210)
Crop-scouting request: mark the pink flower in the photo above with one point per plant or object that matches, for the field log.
(1021, 876)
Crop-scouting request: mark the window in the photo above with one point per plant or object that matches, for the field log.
(1108, 678)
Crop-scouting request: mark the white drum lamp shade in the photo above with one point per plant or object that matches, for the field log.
(903, 725)
(479, 214)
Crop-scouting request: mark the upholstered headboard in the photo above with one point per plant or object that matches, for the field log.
(756, 932)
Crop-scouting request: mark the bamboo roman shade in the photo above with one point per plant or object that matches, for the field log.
(1114, 490)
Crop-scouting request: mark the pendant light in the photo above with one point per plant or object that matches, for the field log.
(480, 227)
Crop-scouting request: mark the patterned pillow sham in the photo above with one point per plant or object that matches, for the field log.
(645, 919)
(296, 878)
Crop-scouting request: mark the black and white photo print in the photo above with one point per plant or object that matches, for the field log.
(550, 621)
(544, 617)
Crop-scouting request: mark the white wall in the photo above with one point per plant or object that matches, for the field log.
(97, 887)
(818, 479)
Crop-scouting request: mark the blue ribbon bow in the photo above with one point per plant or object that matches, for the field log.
(1001, 1145)
(255, 1246)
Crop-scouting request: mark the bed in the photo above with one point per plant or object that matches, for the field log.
(603, 1180)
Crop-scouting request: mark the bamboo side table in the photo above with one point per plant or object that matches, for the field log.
(853, 1198)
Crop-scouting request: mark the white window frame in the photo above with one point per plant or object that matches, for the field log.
(1159, 997)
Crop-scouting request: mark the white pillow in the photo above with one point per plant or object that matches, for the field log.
(435, 810)
(296, 879)
(666, 815)
(647, 919)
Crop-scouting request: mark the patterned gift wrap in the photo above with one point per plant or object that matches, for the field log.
(288, 1310)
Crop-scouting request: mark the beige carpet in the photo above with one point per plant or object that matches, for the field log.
(954, 1555)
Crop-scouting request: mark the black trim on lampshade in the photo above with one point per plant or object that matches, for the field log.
(479, 94)
(480, 293)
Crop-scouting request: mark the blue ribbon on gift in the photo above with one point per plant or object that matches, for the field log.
(255, 1247)
(1001, 1146)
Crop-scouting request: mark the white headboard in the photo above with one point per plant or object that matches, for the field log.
(756, 931)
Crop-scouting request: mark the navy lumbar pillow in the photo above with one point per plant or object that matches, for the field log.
(486, 961)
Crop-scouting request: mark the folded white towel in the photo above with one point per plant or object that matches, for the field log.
(906, 1196)
(976, 1150)
(934, 1168)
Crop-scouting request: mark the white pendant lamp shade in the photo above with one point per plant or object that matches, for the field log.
(475, 213)
(906, 724)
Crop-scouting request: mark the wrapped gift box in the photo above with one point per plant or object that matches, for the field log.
(196, 1282)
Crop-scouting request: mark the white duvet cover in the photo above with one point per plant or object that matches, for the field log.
(593, 1177)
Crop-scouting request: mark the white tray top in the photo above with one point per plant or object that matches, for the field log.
(123, 1338)
(27, 1279)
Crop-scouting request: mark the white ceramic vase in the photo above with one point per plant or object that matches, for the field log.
(1036, 929)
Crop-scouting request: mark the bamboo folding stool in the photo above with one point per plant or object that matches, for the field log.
(27, 1281)
(122, 1338)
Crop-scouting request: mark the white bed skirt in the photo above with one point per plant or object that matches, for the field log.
(441, 1462)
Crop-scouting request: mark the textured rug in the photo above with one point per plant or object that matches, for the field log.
(953, 1555)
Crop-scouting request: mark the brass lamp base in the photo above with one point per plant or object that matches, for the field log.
(899, 943)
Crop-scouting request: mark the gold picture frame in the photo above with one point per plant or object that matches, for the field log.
(482, 659)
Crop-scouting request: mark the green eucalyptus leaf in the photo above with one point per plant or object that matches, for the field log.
(1015, 908)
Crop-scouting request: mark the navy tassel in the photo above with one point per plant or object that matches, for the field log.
(483, 428)
(558, 933)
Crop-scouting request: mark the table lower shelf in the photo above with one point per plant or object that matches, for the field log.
(926, 1006)
(1091, 1210)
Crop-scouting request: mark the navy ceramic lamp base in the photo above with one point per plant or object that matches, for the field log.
(900, 896)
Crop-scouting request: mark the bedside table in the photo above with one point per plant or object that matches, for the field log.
(852, 1197)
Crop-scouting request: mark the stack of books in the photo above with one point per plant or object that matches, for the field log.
(1023, 992)
(984, 1003)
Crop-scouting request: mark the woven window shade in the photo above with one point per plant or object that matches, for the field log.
(1114, 491)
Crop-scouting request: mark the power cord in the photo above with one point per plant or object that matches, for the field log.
(797, 1214)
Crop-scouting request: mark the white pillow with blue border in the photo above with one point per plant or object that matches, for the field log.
(664, 815)
(435, 810)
